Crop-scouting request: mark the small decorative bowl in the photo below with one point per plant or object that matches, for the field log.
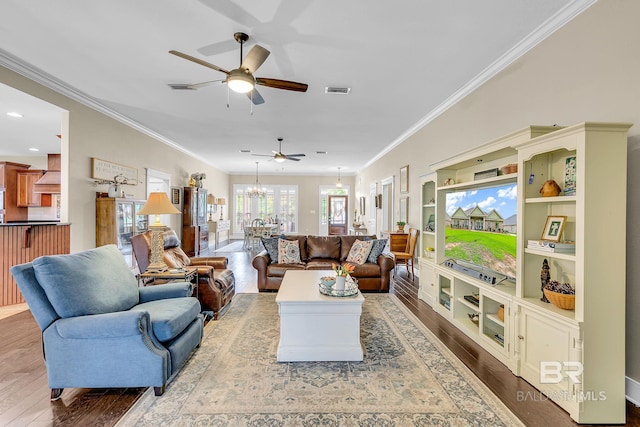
(328, 281)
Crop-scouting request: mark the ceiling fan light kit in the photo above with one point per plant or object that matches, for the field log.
(240, 81)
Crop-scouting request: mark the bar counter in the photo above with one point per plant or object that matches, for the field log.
(22, 242)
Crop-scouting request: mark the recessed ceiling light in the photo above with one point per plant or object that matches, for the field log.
(14, 114)
(33, 149)
(321, 152)
(245, 151)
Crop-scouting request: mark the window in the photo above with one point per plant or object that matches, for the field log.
(280, 205)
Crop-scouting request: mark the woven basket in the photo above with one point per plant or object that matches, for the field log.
(563, 301)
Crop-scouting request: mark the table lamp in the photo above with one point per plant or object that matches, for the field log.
(221, 202)
(211, 200)
(157, 204)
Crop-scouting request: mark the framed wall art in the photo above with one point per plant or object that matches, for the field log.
(176, 199)
(404, 179)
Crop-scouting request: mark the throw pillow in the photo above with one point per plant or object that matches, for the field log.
(359, 251)
(271, 246)
(288, 251)
(376, 250)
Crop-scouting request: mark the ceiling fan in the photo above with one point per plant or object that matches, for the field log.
(279, 156)
(241, 79)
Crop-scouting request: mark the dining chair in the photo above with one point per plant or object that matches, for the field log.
(257, 226)
(408, 254)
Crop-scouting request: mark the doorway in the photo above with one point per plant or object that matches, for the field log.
(387, 204)
(338, 214)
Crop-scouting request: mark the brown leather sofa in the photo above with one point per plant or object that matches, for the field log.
(318, 253)
(216, 283)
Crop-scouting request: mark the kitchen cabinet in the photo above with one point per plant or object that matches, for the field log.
(26, 196)
(8, 184)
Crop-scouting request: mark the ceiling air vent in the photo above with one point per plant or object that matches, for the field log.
(337, 90)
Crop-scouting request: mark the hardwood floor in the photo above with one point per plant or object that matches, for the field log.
(24, 395)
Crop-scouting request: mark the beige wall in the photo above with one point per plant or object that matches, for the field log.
(587, 71)
(308, 190)
(92, 134)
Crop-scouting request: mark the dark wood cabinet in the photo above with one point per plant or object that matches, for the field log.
(195, 231)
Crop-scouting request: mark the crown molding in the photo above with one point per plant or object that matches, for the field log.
(544, 30)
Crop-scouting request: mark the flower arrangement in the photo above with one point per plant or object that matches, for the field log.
(344, 269)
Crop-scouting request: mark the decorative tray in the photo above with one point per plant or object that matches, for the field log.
(350, 289)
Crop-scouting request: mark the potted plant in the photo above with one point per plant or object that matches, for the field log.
(401, 225)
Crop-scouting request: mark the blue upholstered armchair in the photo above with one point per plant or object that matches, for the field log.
(99, 329)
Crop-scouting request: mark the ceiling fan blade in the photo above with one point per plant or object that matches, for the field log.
(198, 61)
(282, 84)
(194, 86)
(292, 158)
(262, 155)
(255, 58)
(255, 97)
(296, 155)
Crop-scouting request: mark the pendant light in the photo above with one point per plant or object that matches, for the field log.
(339, 183)
(256, 191)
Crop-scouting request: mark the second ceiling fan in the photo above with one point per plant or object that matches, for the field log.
(242, 79)
(279, 156)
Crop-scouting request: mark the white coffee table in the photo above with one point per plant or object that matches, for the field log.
(316, 327)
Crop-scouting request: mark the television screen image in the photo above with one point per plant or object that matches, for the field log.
(480, 228)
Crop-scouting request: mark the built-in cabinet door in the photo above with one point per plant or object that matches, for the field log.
(549, 356)
(427, 291)
(26, 196)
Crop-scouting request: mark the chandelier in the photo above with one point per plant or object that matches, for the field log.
(256, 191)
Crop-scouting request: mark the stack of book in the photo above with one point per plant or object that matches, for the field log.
(557, 247)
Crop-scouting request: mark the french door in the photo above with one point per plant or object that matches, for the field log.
(338, 214)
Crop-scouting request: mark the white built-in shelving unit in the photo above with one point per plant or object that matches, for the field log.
(533, 333)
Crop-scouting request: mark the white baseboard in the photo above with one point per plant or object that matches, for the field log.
(633, 391)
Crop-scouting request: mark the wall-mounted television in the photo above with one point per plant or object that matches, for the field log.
(480, 228)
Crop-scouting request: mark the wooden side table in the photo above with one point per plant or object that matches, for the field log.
(187, 274)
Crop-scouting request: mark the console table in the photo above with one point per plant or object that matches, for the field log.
(218, 227)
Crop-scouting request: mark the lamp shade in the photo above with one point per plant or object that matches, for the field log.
(222, 201)
(211, 199)
(158, 204)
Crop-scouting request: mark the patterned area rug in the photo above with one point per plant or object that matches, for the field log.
(407, 378)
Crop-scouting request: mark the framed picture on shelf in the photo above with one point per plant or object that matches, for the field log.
(570, 176)
(553, 228)
(404, 179)
(363, 205)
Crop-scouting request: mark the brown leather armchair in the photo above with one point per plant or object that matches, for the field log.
(216, 283)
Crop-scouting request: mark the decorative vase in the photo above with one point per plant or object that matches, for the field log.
(340, 282)
(400, 228)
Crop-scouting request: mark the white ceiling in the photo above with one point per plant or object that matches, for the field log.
(405, 61)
